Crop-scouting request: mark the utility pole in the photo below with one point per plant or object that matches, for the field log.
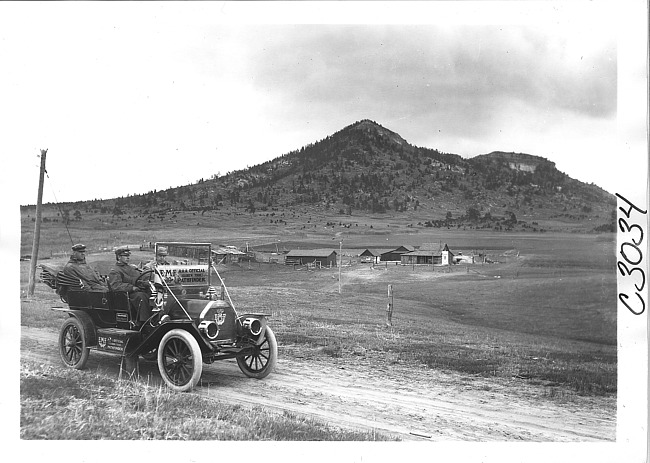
(389, 309)
(340, 263)
(37, 228)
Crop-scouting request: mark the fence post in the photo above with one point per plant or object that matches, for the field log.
(389, 309)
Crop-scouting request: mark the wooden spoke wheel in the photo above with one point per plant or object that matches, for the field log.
(261, 362)
(179, 360)
(73, 344)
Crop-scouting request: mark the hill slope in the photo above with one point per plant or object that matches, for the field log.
(368, 169)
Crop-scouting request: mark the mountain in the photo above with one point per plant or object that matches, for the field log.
(368, 169)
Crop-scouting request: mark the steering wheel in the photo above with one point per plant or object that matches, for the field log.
(137, 280)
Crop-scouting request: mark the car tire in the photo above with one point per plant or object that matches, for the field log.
(262, 362)
(73, 344)
(179, 360)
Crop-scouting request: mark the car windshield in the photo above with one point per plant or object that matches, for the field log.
(186, 265)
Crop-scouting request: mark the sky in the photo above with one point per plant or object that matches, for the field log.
(133, 97)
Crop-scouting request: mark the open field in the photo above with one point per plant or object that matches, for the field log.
(305, 225)
(544, 318)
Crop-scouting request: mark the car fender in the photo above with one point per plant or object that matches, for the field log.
(152, 340)
(88, 326)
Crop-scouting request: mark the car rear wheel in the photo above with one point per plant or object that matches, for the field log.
(263, 359)
(179, 360)
(73, 344)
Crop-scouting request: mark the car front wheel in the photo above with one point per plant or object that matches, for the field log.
(179, 360)
(262, 361)
(73, 344)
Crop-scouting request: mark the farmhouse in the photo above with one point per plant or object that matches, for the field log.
(421, 257)
(396, 254)
(428, 256)
(322, 257)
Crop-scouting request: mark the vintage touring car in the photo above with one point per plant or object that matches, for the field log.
(200, 326)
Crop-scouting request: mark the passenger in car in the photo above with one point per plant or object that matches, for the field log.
(78, 269)
(123, 277)
(160, 259)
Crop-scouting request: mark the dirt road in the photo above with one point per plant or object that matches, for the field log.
(412, 404)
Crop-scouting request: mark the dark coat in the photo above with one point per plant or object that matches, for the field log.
(79, 269)
(122, 277)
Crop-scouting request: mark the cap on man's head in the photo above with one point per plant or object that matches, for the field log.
(162, 251)
(79, 247)
(122, 251)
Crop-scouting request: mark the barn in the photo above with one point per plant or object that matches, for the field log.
(322, 257)
(396, 254)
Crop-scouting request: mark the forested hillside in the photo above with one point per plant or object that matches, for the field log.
(368, 169)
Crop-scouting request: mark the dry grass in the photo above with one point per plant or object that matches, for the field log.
(58, 403)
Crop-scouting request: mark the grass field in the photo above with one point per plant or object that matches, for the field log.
(545, 314)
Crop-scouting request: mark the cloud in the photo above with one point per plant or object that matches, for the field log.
(230, 95)
(425, 79)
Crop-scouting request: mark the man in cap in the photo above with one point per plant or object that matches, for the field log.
(123, 276)
(78, 269)
(161, 253)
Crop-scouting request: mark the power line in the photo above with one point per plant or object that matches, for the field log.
(56, 201)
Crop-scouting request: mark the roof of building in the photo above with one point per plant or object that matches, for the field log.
(311, 253)
(431, 247)
(401, 249)
(422, 252)
(227, 250)
(375, 252)
(425, 251)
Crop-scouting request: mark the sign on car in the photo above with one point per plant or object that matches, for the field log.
(184, 274)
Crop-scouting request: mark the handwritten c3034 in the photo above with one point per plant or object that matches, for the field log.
(630, 259)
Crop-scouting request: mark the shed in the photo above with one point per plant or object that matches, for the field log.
(270, 257)
(227, 255)
(396, 254)
(323, 257)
